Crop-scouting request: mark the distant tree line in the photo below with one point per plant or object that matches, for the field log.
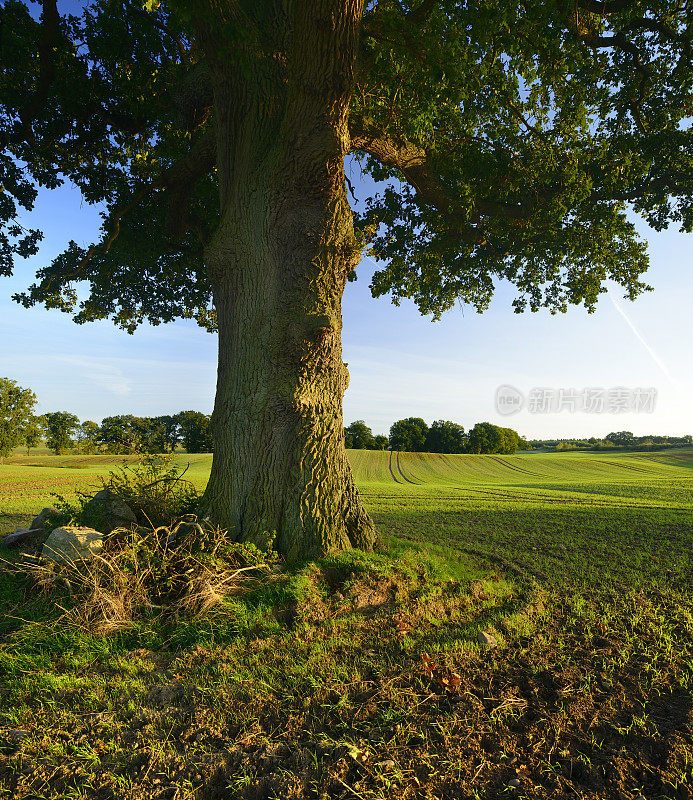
(119, 434)
(358, 436)
(125, 433)
(128, 434)
(443, 436)
(624, 440)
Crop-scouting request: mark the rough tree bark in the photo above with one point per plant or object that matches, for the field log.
(279, 263)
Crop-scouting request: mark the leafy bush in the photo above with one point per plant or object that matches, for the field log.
(154, 488)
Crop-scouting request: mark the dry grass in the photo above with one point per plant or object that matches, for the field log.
(182, 571)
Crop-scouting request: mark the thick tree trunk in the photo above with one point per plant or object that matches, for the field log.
(279, 263)
(280, 466)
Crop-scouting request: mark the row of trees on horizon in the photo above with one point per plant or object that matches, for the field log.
(129, 434)
(624, 440)
(119, 434)
(443, 436)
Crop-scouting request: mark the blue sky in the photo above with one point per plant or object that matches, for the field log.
(401, 364)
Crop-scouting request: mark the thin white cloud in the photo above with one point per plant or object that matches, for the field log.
(102, 374)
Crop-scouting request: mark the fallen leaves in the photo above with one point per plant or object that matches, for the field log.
(446, 679)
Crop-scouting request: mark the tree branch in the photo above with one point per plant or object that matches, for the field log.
(150, 17)
(412, 161)
(672, 184)
(48, 39)
(601, 8)
(179, 180)
(619, 41)
(422, 13)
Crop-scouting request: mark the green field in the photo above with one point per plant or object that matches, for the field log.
(565, 518)
(361, 676)
(572, 517)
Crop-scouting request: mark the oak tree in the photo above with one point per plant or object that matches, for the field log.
(59, 426)
(121, 433)
(195, 431)
(445, 437)
(509, 138)
(162, 434)
(359, 436)
(31, 435)
(88, 437)
(486, 438)
(408, 434)
(16, 414)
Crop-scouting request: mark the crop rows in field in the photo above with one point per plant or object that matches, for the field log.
(571, 517)
(374, 466)
(583, 516)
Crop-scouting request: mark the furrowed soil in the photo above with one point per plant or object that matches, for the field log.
(361, 676)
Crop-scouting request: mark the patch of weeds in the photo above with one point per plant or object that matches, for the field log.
(154, 488)
(165, 574)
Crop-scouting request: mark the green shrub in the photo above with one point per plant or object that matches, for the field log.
(154, 488)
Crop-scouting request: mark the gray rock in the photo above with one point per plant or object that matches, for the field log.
(16, 537)
(514, 783)
(485, 638)
(106, 512)
(388, 765)
(45, 517)
(71, 544)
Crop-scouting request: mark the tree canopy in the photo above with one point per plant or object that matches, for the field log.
(126, 433)
(621, 438)
(195, 432)
(358, 436)
(32, 434)
(509, 139)
(59, 427)
(445, 437)
(88, 436)
(485, 437)
(16, 414)
(409, 434)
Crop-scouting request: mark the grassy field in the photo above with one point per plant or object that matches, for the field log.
(564, 518)
(361, 676)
